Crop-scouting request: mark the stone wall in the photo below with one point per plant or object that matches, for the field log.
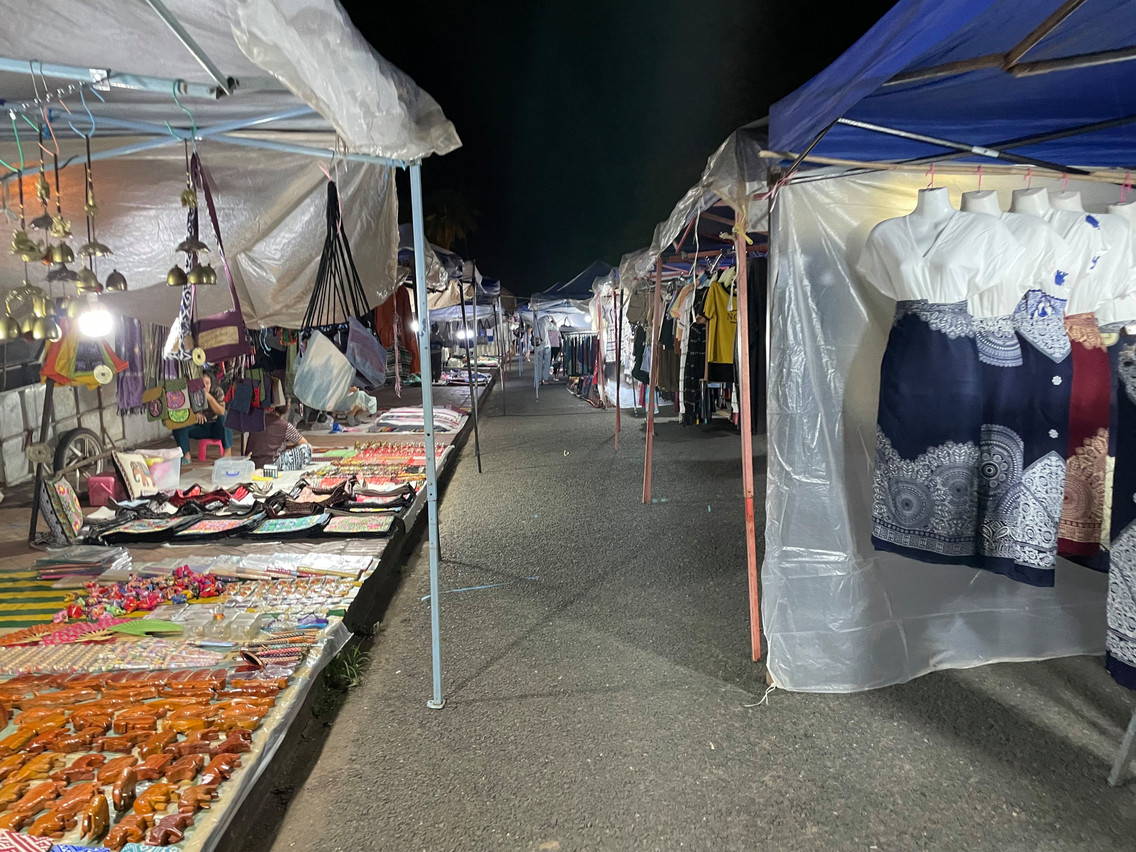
(21, 413)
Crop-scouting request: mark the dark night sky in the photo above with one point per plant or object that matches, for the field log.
(582, 122)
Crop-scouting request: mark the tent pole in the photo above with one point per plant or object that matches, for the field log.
(656, 323)
(192, 46)
(437, 702)
(617, 296)
(502, 364)
(747, 435)
(470, 371)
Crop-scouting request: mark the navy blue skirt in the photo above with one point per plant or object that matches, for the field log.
(925, 496)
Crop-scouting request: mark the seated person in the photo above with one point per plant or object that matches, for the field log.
(210, 424)
(279, 434)
(356, 403)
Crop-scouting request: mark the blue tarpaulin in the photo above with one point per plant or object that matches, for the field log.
(988, 106)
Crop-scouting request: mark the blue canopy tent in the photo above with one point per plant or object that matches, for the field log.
(580, 286)
(1036, 93)
(1026, 81)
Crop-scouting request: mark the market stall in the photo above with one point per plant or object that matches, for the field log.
(145, 707)
(998, 108)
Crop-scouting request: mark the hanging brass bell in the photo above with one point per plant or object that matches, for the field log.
(28, 250)
(208, 275)
(197, 276)
(116, 281)
(75, 307)
(88, 283)
(176, 277)
(9, 328)
(95, 249)
(53, 331)
(27, 323)
(192, 246)
(188, 198)
(40, 328)
(59, 253)
(39, 306)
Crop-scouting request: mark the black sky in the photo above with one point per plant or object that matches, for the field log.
(582, 122)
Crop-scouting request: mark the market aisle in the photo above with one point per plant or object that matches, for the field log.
(601, 698)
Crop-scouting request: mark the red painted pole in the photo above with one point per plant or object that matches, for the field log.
(656, 324)
(747, 438)
(617, 298)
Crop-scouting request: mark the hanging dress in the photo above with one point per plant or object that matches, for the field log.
(1083, 506)
(925, 491)
(1020, 336)
(1120, 640)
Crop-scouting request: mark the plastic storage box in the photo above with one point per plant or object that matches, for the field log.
(165, 468)
(232, 471)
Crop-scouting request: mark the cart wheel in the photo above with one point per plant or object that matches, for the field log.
(80, 447)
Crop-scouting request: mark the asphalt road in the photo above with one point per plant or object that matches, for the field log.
(600, 694)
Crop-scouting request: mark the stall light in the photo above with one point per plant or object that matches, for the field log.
(462, 333)
(96, 321)
(414, 326)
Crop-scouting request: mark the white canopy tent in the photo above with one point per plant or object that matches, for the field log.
(289, 77)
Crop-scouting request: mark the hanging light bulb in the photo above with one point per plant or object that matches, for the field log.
(96, 320)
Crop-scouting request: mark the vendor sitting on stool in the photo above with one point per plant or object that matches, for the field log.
(357, 403)
(278, 435)
(210, 423)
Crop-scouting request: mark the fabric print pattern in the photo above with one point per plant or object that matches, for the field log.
(930, 502)
(214, 526)
(1126, 368)
(365, 525)
(952, 319)
(1084, 330)
(1020, 521)
(1039, 319)
(997, 344)
(280, 526)
(1121, 639)
(1083, 512)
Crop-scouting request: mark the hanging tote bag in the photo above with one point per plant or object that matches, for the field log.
(323, 374)
(366, 354)
(223, 336)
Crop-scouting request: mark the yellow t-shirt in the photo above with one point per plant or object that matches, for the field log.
(721, 308)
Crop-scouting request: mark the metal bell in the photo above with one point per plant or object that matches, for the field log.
(197, 276)
(9, 328)
(176, 277)
(116, 281)
(54, 330)
(75, 307)
(39, 306)
(88, 283)
(27, 324)
(59, 253)
(208, 275)
(188, 198)
(28, 250)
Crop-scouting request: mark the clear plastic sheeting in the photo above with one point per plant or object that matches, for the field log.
(376, 108)
(735, 173)
(272, 216)
(839, 616)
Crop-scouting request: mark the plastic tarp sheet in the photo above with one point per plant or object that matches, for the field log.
(565, 312)
(284, 54)
(982, 107)
(272, 214)
(838, 615)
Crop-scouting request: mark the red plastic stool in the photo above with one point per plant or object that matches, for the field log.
(203, 446)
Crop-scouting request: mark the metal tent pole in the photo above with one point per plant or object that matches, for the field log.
(747, 435)
(470, 371)
(437, 702)
(656, 323)
(617, 297)
(502, 363)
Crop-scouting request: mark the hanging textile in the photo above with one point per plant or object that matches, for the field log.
(1120, 641)
(131, 382)
(338, 293)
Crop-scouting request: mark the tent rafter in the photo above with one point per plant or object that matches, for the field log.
(224, 84)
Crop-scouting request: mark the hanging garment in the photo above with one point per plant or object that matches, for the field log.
(1022, 453)
(925, 494)
(131, 381)
(1082, 513)
(693, 386)
(721, 309)
(1120, 641)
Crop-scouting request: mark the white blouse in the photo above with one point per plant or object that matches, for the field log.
(1118, 266)
(1045, 254)
(970, 253)
(1083, 233)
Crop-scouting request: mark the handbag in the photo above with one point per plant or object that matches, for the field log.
(224, 335)
(323, 374)
(366, 354)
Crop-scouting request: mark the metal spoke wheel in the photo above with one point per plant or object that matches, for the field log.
(82, 450)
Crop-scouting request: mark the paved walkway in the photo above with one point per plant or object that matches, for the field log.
(601, 696)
